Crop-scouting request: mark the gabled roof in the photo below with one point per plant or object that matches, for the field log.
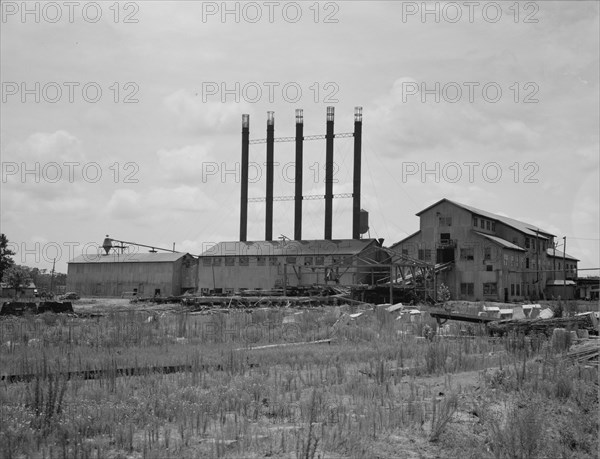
(129, 258)
(559, 254)
(405, 239)
(523, 227)
(289, 248)
(502, 242)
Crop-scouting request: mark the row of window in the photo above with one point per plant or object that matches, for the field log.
(489, 288)
(484, 224)
(262, 261)
(532, 243)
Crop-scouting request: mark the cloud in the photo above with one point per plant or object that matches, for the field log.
(192, 114)
(158, 204)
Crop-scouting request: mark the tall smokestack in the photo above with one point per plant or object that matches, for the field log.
(244, 193)
(329, 173)
(298, 179)
(270, 159)
(356, 179)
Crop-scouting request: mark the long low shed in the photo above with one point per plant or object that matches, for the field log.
(147, 274)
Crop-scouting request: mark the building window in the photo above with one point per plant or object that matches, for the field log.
(475, 222)
(527, 263)
(445, 238)
(229, 261)
(482, 224)
(206, 262)
(493, 226)
(261, 261)
(512, 289)
(405, 252)
(445, 221)
(518, 289)
(308, 261)
(489, 268)
(466, 253)
(487, 253)
(527, 243)
(424, 254)
(487, 225)
(244, 261)
(320, 261)
(490, 288)
(505, 260)
(217, 261)
(290, 260)
(272, 261)
(467, 289)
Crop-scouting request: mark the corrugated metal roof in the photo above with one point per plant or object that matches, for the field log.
(503, 242)
(525, 228)
(129, 258)
(559, 254)
(289, 248)
(405, 239)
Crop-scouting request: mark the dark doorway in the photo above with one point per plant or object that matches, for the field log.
(445, 255)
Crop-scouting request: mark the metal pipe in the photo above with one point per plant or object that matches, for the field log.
(270, 159)
(244, 191)
(329, 174)
(357, 173)
(298, 178)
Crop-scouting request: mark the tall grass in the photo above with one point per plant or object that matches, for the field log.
(302, 401)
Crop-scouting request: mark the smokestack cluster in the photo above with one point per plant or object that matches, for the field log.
(329, 137)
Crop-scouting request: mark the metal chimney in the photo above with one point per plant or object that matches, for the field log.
(298, 178)
(329, 174)
(244, 193)
(356, 226)
(270, 159)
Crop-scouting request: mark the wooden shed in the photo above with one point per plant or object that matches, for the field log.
(146, 274)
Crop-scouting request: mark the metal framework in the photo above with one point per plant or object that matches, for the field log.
(306, 137)
(310, 197)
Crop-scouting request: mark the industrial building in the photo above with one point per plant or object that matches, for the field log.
(495, 258)
(477, 254)
(144, 274)
(264, 265)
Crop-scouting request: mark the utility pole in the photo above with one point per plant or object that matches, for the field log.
(434, 256)
(554, 260)
(537, 261)
(564, 263)
(52, 277)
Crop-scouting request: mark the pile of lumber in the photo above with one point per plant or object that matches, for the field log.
(546, 326)
(586, 352)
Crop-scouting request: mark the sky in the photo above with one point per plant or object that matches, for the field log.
(124, 119)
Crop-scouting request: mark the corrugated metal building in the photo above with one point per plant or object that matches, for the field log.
(147, 274)
(495, 257)
(234, 266)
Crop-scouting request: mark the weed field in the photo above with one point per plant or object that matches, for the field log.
(285, 383)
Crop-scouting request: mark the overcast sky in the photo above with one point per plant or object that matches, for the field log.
(122, 119)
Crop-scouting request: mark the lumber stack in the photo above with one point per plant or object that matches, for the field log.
(586, 352)
(546, 326)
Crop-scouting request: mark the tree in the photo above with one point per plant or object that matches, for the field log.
(443, 293)
(6, 260)
(17, 276)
